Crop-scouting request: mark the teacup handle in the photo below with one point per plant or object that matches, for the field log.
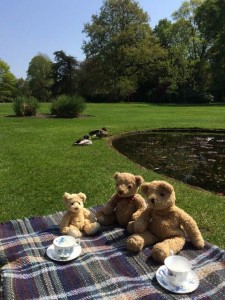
(78, 241)
(171, 252)
(163, 272)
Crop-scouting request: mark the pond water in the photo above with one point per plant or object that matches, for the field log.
(196, 158)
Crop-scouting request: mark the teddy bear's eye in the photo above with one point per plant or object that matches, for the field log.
(129, 186)
(162, 194)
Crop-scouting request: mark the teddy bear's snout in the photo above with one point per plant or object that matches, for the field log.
(75, 206)
(153, 200)
(120, 192)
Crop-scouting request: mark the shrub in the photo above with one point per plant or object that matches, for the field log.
(68, 106)
(24, 107)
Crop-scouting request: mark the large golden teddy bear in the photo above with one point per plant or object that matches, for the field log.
(126, 204)
(162, 223)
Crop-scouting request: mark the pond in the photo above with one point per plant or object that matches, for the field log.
(193, 156)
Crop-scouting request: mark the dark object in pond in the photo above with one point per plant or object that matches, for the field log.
(196, 158)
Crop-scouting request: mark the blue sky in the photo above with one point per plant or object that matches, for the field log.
(29, 27)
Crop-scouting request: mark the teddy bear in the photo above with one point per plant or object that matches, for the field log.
(162, 223)
(77, 219)
(126, 204)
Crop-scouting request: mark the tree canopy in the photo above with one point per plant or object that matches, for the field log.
(180, 60)
(64, 74)
(7, 82)
(121, 46)
(40, 77)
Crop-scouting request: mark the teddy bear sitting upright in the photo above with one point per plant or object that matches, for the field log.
(126, 204)
(77, 220)
(162, 223)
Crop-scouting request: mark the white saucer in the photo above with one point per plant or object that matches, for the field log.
(51, 253)
(189, 286)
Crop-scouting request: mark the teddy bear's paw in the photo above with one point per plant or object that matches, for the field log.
(101, 219)
(65, 230)
(139, 226)
(108, 210)
(94, 228)
(75, 232)
(159, 254)
(130, 227)
(135, 243)
(199, 243)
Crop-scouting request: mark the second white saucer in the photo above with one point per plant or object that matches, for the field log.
(189, 286)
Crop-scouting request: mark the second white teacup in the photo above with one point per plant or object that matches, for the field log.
(64, 245)
(178, 269)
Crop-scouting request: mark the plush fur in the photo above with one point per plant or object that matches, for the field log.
(77, 220)
(126, 204)
(162, 223)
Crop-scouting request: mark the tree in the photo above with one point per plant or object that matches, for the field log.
(22, 87)
(7, 82)
(65, 74)
(187, 64)
(210, 17)
(121, 46)
(40, 77)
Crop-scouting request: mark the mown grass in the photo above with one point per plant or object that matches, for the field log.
(38, 162)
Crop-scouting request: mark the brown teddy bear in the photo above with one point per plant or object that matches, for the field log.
(125, 205)
(77, 219)
(162, 223)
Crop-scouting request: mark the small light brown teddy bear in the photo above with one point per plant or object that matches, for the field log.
(162, 223)
(77, 220)
(126, 204)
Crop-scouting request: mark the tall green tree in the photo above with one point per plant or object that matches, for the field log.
(65, 70)
(210, 17)
(39, 75)
(121, 46)
(187, 64)
(7, 82)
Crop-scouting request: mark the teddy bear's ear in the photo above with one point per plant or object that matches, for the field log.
(144, 188)
(66, 196)
(167, 186)
(139, 180)
(116, 175)
(82, 196)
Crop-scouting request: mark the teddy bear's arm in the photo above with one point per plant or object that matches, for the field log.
(89, 215)
(63, 226)
(140, 205)
(141, 223)
(191, 228)
(110, 205)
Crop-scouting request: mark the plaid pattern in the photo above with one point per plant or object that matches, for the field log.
(105, 269)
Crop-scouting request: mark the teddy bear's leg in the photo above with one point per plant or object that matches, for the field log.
(74, 231)
(130, 227)
(105, 220)
(90, 228)
(162, 250)
(137, 242)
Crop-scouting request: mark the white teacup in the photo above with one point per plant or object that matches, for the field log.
(64, 245)
(178, 269)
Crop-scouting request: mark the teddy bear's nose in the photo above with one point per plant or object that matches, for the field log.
(153, 200)
(120, 192)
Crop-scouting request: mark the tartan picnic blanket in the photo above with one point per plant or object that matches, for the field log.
(104, 270)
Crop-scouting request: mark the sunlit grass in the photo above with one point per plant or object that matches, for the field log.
(38, 162)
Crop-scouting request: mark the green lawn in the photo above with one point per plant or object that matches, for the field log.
(38, 162)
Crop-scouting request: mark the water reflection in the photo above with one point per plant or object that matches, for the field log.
(196, 158)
